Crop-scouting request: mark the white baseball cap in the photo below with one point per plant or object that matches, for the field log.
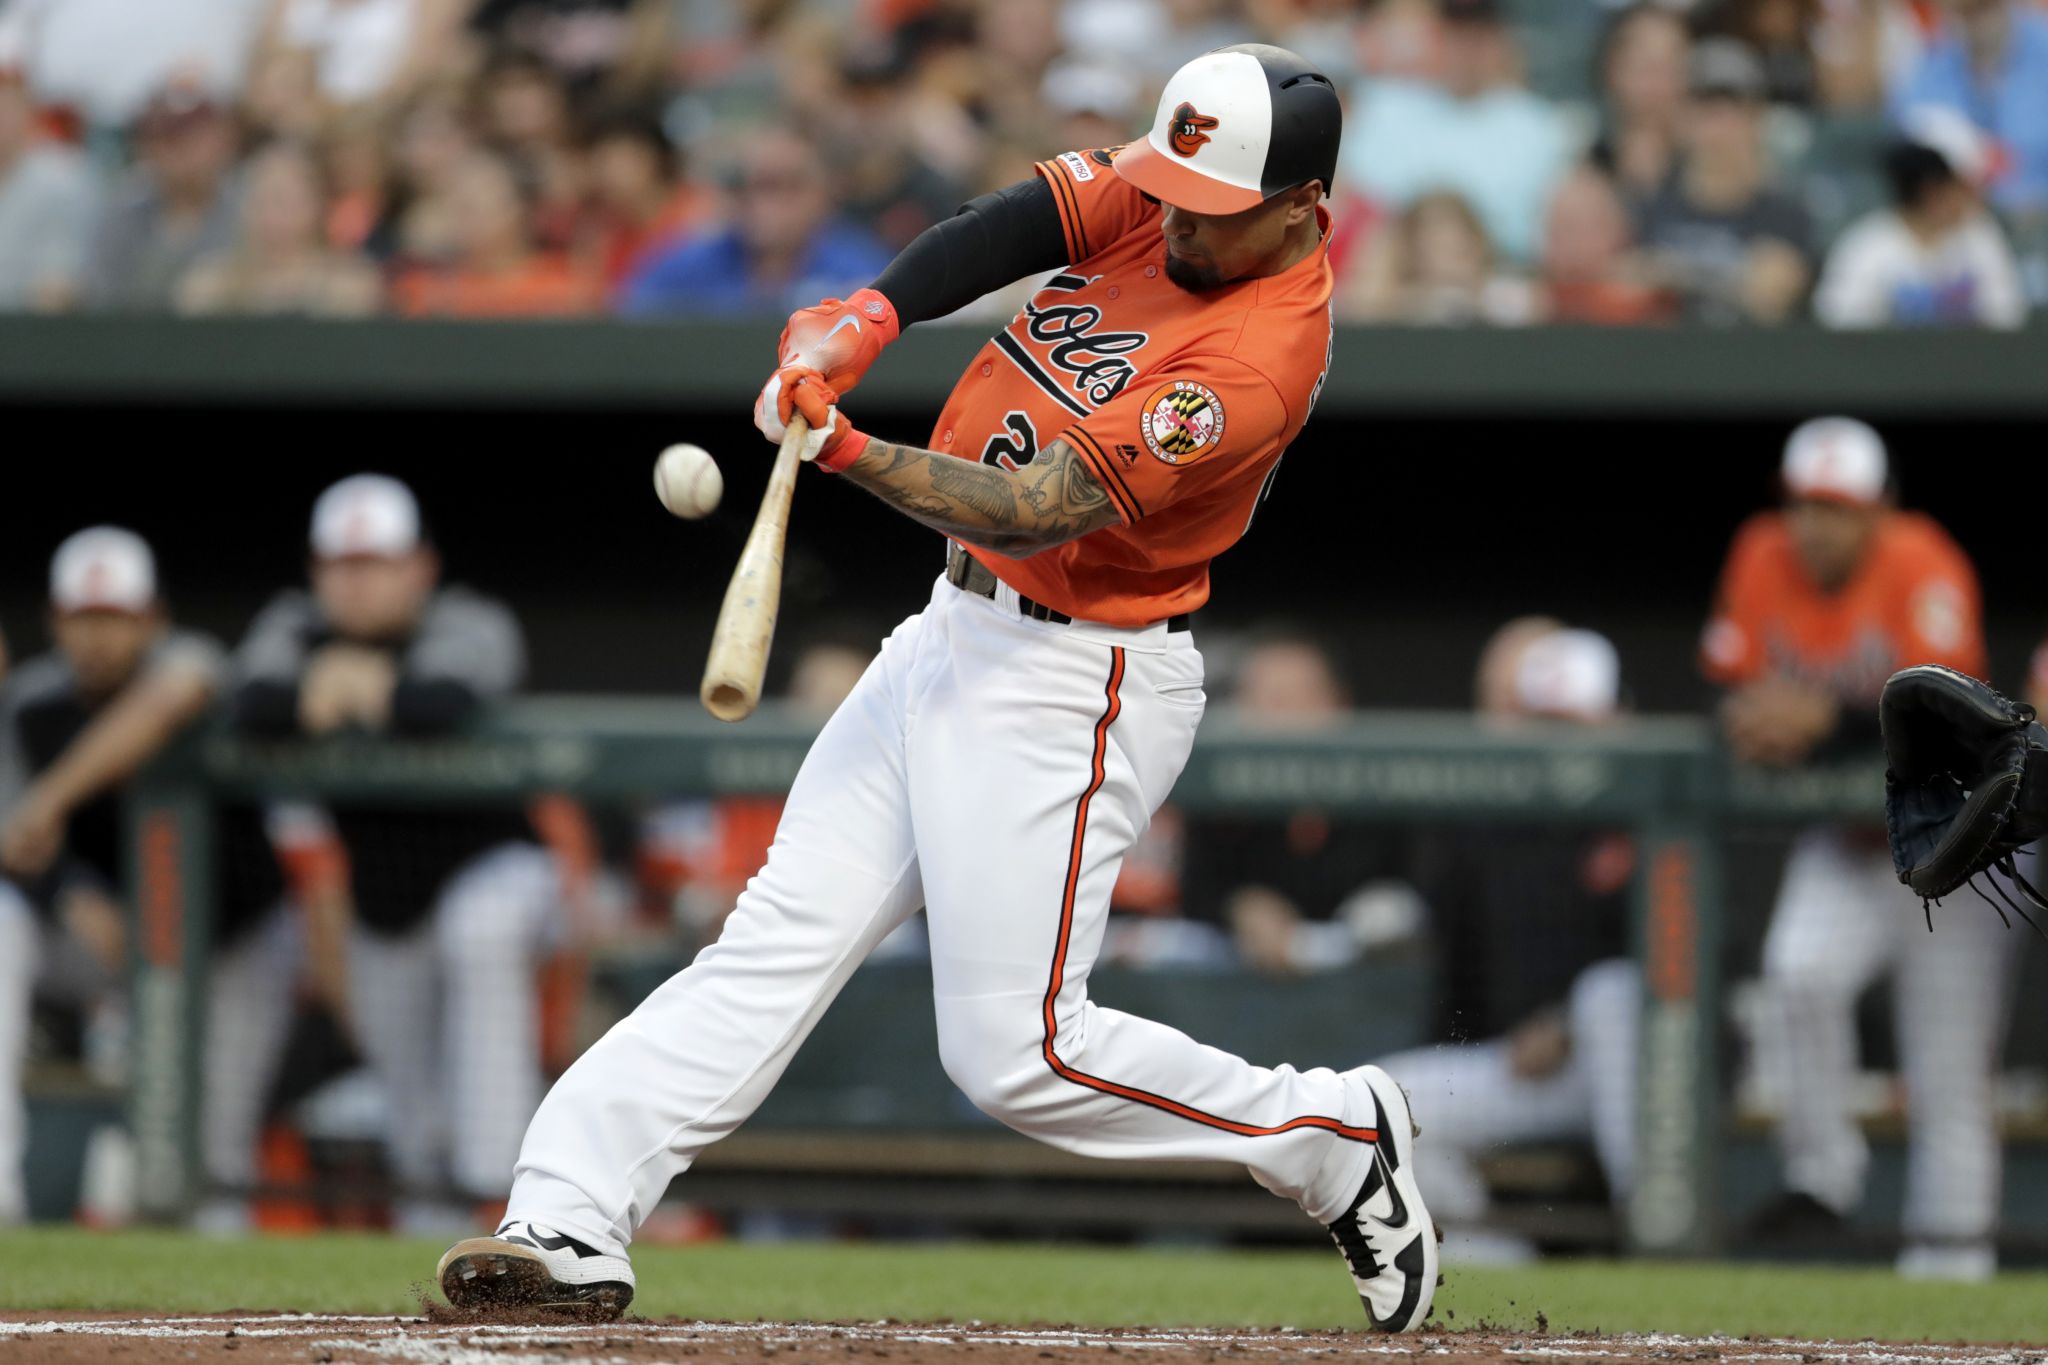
(366, 515)
(1570, 674)
(103, 568)
(1838, 459)
(1971, 155)
(1234, 128)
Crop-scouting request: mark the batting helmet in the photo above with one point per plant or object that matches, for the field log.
(1235, 127)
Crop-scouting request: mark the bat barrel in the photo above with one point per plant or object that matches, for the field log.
(738, 661)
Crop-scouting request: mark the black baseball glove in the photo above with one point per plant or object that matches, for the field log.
(1966, 784)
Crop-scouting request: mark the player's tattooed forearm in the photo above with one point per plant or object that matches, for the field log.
(1048, 502)
(981, 487)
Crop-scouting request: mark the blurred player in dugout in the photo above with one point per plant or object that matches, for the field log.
(1540, 999)
(1820, 602)
(75, 724)
(435, 953)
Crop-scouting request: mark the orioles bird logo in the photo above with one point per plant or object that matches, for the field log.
(1188, 130)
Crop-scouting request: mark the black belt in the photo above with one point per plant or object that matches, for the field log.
(969, 574)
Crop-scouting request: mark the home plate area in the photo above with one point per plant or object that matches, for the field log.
(314, 1339)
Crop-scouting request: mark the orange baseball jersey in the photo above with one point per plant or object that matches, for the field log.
(1913, 600)
(1180, 403)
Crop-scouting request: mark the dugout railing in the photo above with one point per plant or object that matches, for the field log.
(1663, 779)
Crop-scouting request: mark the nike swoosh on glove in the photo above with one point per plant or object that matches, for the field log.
(839, 338)
(832, 444)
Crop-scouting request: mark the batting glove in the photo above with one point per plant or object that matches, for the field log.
(832, 443)
(838, 338)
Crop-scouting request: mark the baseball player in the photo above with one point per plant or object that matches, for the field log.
(75, 724)
(1013, 738)
(1818, 604)
(453, 908)
(1531, 931)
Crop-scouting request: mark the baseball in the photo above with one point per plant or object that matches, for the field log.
(687, 481)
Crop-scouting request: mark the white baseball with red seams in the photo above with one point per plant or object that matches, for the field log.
(687, 481)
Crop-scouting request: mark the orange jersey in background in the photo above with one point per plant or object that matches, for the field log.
(1913, 600)
(1180, 403)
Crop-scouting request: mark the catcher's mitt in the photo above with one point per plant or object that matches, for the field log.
(1966, 783)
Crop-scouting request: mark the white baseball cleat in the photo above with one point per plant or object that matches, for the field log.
(1386, 1237)
(524, 1266)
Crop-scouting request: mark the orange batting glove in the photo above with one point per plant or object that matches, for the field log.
(838, 338)
(832, 444)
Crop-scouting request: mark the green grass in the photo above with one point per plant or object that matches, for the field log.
(172, 1272)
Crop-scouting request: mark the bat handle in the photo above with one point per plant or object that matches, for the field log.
(738, 661)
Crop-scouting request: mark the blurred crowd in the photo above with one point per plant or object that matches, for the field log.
(1506, 162)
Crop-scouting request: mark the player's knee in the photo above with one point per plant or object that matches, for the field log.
(991, 1051)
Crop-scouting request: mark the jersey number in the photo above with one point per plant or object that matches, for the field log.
(1015, 450)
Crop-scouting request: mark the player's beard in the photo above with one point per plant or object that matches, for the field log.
(1196, 279)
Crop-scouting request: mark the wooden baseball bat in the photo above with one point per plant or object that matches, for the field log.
(746, 622)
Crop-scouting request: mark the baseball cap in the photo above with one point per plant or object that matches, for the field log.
(1569, 674)
(1838, 459)
(1948, 133)
(1727, 66)
(1235, 127)
(103, 568)
(366, 515)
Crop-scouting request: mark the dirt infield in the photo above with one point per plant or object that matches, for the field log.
(308, 1339)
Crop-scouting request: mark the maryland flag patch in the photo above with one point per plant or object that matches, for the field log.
(1182, 421)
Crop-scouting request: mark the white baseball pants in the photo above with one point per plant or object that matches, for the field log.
(1842, 920)
(1474, 1101)
(992, 769)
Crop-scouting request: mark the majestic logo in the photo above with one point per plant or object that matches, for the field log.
(1188, 130)
(1181, 421)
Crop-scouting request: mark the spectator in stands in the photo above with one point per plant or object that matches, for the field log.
(1531, 939)
(434, 144)
(1990, 63)
(1735, 246)
(1094, 102)
(896, 176)
(47, 204)
(1818, 604)
(1936, 257)
(361, 52)
(1154, 37)
(280, 262)
(496, 271)
(108, 59)
(1643, 62)
(1476, 131)
(1434, 265)
(1863, 47)
(1591, 270)
(526, 118)
(1311, 892)
(783, 248)
(1780, 32)
(638, 204)
(178, 204)
(357, 170)
(75, 724)
(454, 908)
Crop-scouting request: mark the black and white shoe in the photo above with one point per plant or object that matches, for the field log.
(526, 1267)
(1386, 1237)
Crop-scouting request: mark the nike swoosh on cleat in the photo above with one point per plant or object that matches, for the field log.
(571, 1244)
(1399, 1219)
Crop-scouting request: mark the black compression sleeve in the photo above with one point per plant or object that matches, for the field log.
(994, 240)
